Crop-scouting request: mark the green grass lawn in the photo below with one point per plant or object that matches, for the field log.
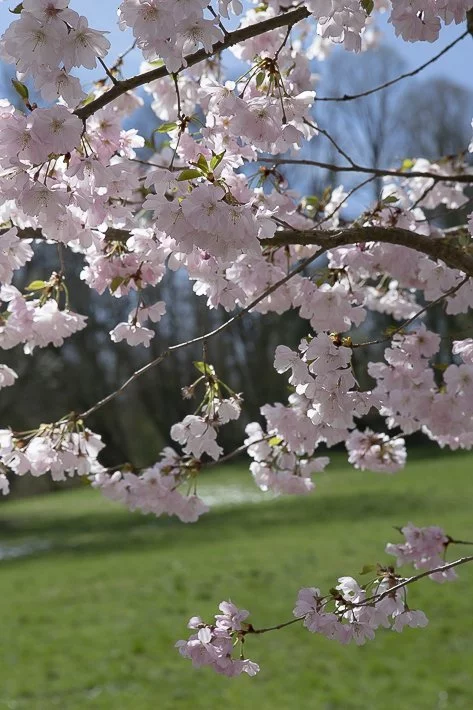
(91, 620)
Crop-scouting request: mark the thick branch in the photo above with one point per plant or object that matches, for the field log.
(232, 38)
(442, 247)
(435, 247)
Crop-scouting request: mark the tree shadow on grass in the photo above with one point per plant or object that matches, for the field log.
(117, 532)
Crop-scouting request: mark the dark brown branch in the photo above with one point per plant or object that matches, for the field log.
(232, 38)
(377, 172)
(368, 92)
(375, 598)
(435, 247)
(442, 247)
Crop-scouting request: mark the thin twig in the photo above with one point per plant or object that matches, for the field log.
(378, 172)
(178, 96)
(251, 630)
(368, 92)
(338, 148)
(283, 43)
(112, 78)
(411, 580)
(60, 254)
(451, 541)
(220, 24)
(375, 598)
(450, 292)
(346, 198)
(200, 338)
(426, 192)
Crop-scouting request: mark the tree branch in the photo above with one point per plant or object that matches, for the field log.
(267, 292)
(378, 172)
(413, 318)
(324, 239)
(443, 568)
(442, 247)
(232, 38)
(368, 92)
(374, 599)
(436, 247)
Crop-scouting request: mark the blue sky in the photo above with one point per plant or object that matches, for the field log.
(456, 65)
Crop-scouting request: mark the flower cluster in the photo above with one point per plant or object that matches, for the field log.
(213, 645)
(47, 41)
(410, 396)
(63, 449)
(159, 489)
(7, 376)
(35, 323)
(357, 614)
(163, 30)
(155, 490)
(14, 253)
(424, 548)
(376, 452)
(133, 331)
(275, 467)
(340, 21)
(346, 20)
(197, 433)
(206, 216)
(415, 21)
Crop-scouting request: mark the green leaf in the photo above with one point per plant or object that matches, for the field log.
(260, 78)
(17, 10)
(116, 283)
(21, 89)
(390, 199)
(204, 367)
(392, 329)
(166, 127)
(312, 201)
(407, 164)
(367, 6)
(88, 99)
(275, 440)
(216, 159)
(202, 163)
(37, 285)
(189, 174)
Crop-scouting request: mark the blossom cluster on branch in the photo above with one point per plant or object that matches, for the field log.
(212, 200)
(349, 612)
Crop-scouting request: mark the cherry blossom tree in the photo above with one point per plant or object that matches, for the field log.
(213, 201)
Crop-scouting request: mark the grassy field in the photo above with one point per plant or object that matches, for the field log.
(90, 617)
